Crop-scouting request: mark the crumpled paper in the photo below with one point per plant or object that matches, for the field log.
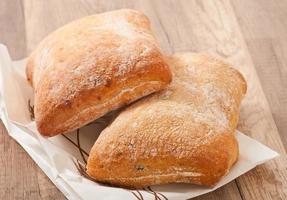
(57, 156)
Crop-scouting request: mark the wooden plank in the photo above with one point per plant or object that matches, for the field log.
(265, 34)
(191, 26)
(14, 175)
(12, 27)
(20, 177)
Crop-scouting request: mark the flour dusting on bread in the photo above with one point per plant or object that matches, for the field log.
(184, 133)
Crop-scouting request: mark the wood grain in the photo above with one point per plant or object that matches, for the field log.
(239, 31)
(20, 177)
(267, 44)
(266, 39)
(12, 27)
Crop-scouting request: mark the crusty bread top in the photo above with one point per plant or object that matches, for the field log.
(101, 32)
(182, 134)
(209, 85)
(89, 61)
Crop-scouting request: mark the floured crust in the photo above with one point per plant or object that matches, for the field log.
(92, 66)
(185, 133)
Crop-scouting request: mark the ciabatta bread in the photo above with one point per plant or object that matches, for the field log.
(92, 66)
(185, 133)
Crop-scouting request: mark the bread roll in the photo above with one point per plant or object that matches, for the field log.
(92, 66)
(185, 133)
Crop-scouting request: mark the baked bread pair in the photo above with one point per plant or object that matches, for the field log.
(183, 133)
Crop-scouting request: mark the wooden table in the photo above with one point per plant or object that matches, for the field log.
(250, 34)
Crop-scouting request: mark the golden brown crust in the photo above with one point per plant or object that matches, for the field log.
(92, 66)
(182, 134)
